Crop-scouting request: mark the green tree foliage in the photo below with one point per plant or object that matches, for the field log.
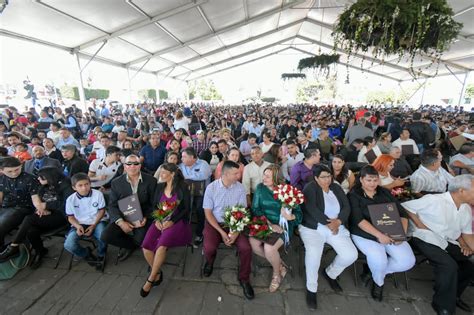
(163, 94)
(379, 97)
(325, 88)
(146, 95)
(72, 92)
(469, 93)
(204, 90)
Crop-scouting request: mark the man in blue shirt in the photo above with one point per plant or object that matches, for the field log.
(153, 154)
(67, 138)
(197, 170)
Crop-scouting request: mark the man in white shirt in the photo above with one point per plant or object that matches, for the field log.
(54, 132)
(430, 177)
(441, 226)
(293, 157)
(255, 128)
(405, 140)
(253, 172)
(102, 171)
(463, 162)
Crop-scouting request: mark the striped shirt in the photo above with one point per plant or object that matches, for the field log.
(424, 179)
(218, 197)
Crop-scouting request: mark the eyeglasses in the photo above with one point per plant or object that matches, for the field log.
(132, 163)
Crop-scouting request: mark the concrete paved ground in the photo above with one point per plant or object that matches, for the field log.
(82, 290)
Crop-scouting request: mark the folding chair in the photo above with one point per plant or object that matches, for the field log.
(362, 259)
(62, 233)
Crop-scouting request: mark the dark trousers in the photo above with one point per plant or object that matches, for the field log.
(453, 272)
(10, 219)
(113, 235)
(212, 239)
(201, 218)
(33, 225)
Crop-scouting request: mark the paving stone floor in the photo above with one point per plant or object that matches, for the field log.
(83, 290)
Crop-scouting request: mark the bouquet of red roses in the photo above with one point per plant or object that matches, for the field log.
(289, 196)
(164, 211)
(259, 227)
(236, 218)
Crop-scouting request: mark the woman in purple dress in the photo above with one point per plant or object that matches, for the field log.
(174, 232)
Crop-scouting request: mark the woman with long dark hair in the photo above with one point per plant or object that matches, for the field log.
(55, 189)
(174, 232)
(341, 174)
(212, 155)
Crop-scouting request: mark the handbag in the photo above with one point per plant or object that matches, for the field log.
(10, 268)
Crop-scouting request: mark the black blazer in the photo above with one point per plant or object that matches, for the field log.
(311, 145)
(121, 188)
(207, 156)
(313, 207)
(48, 162)
(75, 165)
(184, 198)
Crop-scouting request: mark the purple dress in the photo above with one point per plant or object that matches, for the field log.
(179, 234)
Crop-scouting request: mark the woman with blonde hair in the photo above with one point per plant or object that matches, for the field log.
(385, 142)
(265, 205)
(180, 121)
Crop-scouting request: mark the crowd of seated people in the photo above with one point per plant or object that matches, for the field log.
(74, 172)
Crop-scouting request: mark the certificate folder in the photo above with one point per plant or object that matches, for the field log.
(130, 207)
(386, 219)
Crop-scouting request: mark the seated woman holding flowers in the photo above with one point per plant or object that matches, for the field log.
(171, 227)
(264, 204)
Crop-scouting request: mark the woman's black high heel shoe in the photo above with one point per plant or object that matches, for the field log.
(144, 293)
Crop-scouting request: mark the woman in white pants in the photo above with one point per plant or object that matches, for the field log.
(384, 255)
(325, 213)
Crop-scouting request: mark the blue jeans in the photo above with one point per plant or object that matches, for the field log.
(421, 147)
(72, 241)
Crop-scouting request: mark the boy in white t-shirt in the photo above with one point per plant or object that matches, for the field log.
(85, 210)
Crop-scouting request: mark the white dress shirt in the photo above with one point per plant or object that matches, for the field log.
(399, 142)
(444, 220)
(253, 175)
(361, 157)
(290, 162)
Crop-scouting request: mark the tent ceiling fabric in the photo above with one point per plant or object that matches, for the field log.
(186, 39)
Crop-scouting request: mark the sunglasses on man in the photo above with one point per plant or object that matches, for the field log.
(132, 163)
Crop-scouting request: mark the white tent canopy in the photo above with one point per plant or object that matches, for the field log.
(186, 40)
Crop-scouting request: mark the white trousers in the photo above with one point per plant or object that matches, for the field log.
(314, 241)
(385, 259)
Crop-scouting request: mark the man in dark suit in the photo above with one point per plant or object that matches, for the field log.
(39, 161)
(119, 232)
(306, 144)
